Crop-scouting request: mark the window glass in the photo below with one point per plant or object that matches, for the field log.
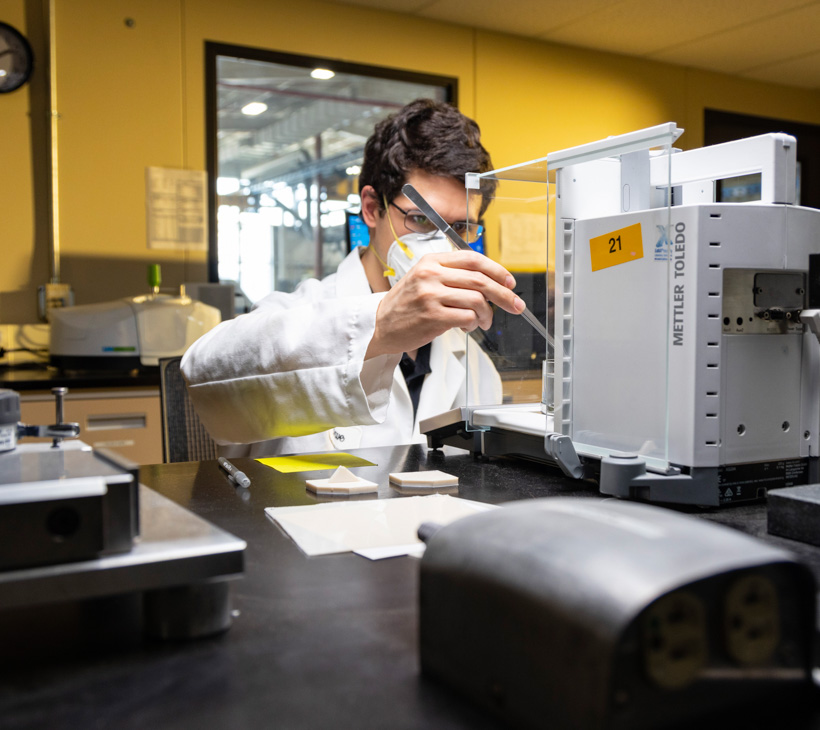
(287, 153)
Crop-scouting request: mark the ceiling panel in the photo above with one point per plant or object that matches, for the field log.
(641, 27)
(752, 45)
(521, 17)
(408, 7)
(767, 40)
(799, 72)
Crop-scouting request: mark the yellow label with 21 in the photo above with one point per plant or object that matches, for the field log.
(617, 247)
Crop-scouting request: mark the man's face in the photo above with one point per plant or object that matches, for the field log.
(447, 196)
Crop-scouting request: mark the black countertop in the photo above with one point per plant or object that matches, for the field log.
(319, 642)
(43, 377)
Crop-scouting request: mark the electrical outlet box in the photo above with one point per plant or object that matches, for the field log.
(51, 296)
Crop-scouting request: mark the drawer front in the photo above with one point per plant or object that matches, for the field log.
(129, 424)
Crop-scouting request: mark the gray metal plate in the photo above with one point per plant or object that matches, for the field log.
(175, 548)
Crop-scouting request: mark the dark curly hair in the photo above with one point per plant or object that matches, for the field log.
(425, 135)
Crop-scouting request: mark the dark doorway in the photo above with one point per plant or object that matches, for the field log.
(720, 126)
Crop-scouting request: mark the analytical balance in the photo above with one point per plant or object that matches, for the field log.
(683, 369)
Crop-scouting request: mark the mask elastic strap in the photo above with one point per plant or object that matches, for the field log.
(388, 270)
(402, 245)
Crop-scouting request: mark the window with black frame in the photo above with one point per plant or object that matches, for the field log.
(285, 140)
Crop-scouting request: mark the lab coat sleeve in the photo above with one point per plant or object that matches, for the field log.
(293, 366)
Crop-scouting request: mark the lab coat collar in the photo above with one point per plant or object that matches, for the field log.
(352, 280)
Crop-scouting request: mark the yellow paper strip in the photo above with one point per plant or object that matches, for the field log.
(313, 462)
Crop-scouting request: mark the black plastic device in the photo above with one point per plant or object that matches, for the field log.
(586, 614)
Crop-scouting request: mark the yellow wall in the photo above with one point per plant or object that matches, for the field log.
(533, 98)
(133, 97)
(20, 266)
(15, 189)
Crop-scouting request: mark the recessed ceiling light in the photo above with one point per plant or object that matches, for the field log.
(322, 73)
(254, 108)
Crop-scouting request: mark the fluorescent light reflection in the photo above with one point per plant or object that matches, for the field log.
(254, 108)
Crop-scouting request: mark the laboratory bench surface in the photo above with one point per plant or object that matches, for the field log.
(322, 642)
(24, 378)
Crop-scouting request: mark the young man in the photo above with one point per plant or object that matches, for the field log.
(358, 358)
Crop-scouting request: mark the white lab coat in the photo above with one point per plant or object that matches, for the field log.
(290, 376)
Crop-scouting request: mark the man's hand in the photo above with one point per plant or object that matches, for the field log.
(442, 291)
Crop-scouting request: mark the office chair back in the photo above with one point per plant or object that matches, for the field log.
(184, 438)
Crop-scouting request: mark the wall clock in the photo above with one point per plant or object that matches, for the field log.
(16, 59)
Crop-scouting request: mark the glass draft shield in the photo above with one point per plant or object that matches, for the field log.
(587, 234)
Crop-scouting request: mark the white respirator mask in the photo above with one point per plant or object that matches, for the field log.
(405, 252)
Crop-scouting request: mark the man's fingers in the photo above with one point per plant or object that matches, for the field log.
(442, 291)
(465, 280)
(474, 261)
(475, 309)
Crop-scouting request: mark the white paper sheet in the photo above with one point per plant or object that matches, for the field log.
(375, 529)
(177, 209)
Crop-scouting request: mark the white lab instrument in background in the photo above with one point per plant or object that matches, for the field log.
(128, 333)
(681, 370)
